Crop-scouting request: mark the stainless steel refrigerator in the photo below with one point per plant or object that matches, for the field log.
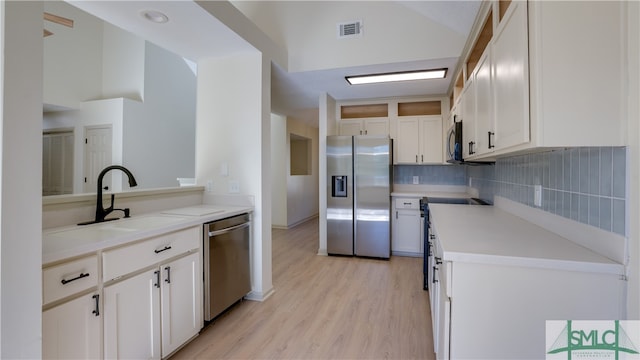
(359, 170)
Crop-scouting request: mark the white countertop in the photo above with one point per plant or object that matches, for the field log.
(486, 234)
(73, 241)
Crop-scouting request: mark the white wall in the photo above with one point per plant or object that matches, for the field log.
(21, 183)
(327, 126)
(302, 190)
(123, 64)
(159, 133)
(73, 57)
(278, 171)
(392, 33)
(233, 121)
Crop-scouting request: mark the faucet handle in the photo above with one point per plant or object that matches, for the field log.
(106, 187)
(126, 212)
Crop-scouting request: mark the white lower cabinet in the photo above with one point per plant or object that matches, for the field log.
(181, 302)
(496, 311)
(144, 302)
(152, 314)
(132, 317)
(72, 330)
(406, 227)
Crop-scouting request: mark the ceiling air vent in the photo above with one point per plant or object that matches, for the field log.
(349, 29)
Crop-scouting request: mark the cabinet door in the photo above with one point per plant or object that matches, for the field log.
(72, 330)
(469, 143)
(484, 105)
(408, 140)
(351, 127)
(181, 302)
(376, 127)
(443, 323)
(406, 232)
(432, 147)
(132, 318)
(510, 56)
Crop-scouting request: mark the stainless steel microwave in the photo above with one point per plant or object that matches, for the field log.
(454, 143)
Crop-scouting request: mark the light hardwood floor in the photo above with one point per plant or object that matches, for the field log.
(325, 308)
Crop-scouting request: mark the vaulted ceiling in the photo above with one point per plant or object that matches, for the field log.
(396, 36)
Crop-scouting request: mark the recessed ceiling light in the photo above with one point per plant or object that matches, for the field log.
(155, 16)
(397, 76)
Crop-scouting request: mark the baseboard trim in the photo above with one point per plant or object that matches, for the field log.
(407, 254)
(259, 295)
(292, 225)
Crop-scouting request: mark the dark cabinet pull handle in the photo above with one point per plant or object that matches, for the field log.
(434, 280)
(421, 158)
(96, 297)
(157, 274)
(82, 275)
(491, 146)
(438, 260)
(432, 237)
(161, 250)
(471, 143)
(416, 158)
(168, 279)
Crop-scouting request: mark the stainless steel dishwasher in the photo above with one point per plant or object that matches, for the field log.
(227, 275)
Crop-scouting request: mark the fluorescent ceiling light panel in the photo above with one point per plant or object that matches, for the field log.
(397, 76)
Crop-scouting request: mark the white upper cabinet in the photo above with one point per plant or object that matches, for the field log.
(550, 75)
(577, 72)
(485, 125)
(373, 126)
(468, 101)
(363, 119)
(510, 85)
(419, 140)
(408, 140)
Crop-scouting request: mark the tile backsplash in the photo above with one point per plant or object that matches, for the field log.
(430, 174)
(583, 184)
(586, 184)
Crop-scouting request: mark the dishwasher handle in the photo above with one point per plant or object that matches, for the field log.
(229, 229)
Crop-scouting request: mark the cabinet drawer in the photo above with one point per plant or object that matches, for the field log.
(403, 203)
(127, 259)
(69, 278)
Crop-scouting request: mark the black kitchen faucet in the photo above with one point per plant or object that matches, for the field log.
(101, 212)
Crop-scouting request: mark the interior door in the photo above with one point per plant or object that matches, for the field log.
(97, 156)
(57, 162)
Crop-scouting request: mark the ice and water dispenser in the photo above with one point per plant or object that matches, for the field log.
(339, 186)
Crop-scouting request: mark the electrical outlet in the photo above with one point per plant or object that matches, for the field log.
(537, 195)
(234, 186)
(416, 180)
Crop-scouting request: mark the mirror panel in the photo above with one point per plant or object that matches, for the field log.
(100, 77)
